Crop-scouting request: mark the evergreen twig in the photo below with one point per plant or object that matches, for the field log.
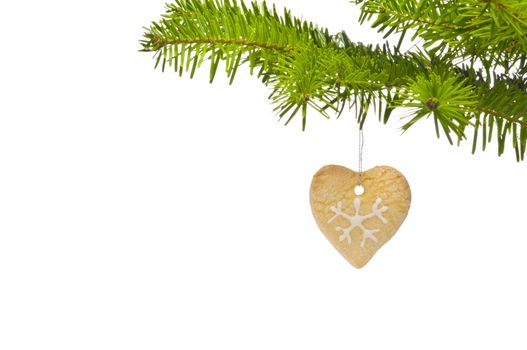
(306, 67)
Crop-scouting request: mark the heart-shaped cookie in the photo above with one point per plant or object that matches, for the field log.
(359, 225)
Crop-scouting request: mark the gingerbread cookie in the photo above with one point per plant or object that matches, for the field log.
(358, 225)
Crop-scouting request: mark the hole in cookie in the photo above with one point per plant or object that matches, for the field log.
(359, 190)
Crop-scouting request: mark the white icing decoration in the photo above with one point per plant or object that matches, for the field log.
(357, 220)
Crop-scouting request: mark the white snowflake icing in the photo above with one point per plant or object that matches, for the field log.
(356, 220)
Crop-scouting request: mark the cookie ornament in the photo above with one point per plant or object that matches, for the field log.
(359, 224)
(359, 212)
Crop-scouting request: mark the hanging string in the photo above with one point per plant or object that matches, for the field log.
(361, 148)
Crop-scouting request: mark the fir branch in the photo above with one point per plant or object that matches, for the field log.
(494, 31)
(307, 68)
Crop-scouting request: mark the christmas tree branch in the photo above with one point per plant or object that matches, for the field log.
(306, 67)
(492, 30)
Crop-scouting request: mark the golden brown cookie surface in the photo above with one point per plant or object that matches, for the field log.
(358, 225)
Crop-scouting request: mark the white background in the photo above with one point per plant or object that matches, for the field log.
(139, 210)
